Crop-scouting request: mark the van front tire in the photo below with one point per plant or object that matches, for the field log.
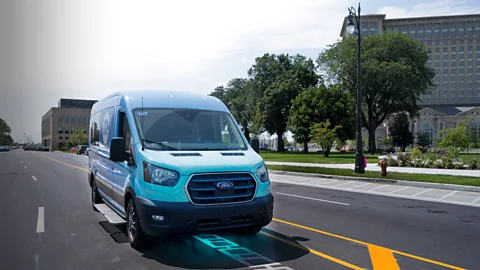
(96, 199)
(136, 236)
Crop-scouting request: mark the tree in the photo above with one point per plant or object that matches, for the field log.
(473, 138)
(238, 96)
(400, 131)
(324, 135)
(277, 80)
(388, 141)
(394, 75)
(79, 137)
(317, 104)
(5, 130)
(454, 138)
(424, 139)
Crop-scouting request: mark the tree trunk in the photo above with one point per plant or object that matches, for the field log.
(326, 152)
(305, 147)
(280, 146)
(403, 148)
(371, 130)
(246, 132)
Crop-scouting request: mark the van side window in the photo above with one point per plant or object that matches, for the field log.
(124, 131)
(94, 129)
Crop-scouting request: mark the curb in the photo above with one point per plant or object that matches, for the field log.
(384, 181)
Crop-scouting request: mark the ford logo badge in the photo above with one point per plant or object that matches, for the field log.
(224, 185)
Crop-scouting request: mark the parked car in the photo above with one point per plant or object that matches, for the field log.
(149, 159)
(81, 149)
(4, 149)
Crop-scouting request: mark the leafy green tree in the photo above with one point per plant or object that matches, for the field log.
(238, 96)
(317, 104)
(473, 138)
(394, 74)
(277, 80)
(400, 131)
(79, 137)
(388, 141)
(5, 130)
(454, 139)
(324, 135)
(424, 139)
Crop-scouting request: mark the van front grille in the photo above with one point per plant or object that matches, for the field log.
(203, 188)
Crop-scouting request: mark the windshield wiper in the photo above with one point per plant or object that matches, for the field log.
(161, 144)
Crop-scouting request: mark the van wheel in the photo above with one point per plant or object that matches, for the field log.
(96, 199)
(250, 230)
(136, 236)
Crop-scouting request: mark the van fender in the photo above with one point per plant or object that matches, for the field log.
(128, 194)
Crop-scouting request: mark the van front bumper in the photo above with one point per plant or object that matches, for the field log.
(185, 218)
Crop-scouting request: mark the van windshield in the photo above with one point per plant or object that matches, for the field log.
(188, 130)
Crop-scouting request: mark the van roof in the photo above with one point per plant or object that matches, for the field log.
(170, 99)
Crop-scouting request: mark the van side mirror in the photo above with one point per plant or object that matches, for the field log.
(117, 150)
(255, 143)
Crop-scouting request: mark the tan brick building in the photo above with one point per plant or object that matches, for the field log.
(59, 122)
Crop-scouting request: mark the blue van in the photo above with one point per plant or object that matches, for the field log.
(167, 163)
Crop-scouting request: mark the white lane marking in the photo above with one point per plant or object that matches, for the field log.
(314, 199)
(378, 187)
(398, 190)
(21, 161)
(25, 167)
(34, 178)
(41, 220)
(37, 261)
(421, 192)
(241, 254)
(451, 193)
(477, 200)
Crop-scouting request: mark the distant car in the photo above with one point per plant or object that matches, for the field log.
(4, 149)
(81, 149)
(26, 149)
(45, 149)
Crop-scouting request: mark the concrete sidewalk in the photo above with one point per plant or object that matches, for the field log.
(374, 167)
(458, 197)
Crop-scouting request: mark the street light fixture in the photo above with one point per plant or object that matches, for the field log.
(353, 26)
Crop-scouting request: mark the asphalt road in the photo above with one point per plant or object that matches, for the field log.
(48, 223)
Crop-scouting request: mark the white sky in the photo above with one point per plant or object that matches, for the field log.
(90, 48)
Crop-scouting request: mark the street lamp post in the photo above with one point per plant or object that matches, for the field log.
(353, 26)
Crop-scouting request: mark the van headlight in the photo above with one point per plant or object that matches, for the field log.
(262, 173)
(160, 176)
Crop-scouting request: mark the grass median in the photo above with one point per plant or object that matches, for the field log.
(334, 158)
(431, 178)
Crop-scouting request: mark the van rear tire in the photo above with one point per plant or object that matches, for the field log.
(136, 236)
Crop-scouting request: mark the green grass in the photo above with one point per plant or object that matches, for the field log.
(334, 158)
(441, 179)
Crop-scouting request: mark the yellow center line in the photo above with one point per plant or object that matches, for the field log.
(382, 254)
(367, 244)
(318, 253)
(382, 258)
(64, 163)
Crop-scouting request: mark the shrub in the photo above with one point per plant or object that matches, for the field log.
(427, 163)
(403, 160)
(458, 163)
(473, 164)
(391, 162)
(439, 164)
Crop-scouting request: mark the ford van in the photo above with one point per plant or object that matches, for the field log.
(167, 163)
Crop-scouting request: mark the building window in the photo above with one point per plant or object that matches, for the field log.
(84, 119)
(79, 119)
(72, 119)
(60, 118)
(462, 42)
(445, 30)
(60, 137)
(67, 119)
(60, 130)
(461, 29)
(67, 130)
(469, 29)
(66, 138)
(373, 28)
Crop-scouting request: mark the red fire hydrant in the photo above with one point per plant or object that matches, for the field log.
(383, 165)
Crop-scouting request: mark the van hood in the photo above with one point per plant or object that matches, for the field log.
(190, 162)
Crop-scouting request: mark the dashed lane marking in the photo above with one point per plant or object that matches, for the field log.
(25, 167)
(41, 220)
(34, 178)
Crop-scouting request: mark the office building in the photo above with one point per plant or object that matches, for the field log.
(60, 122)
(454, 42)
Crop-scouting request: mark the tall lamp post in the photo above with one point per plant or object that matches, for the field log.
(353, 27)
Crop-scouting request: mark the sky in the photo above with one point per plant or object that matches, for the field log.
(52, 49)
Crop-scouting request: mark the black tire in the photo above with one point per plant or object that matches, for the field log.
(249, 230)
(136, 236)
(96, 199)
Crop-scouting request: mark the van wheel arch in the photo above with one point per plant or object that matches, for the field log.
(129, 194)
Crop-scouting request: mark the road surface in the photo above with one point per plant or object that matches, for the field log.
(48, 223)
